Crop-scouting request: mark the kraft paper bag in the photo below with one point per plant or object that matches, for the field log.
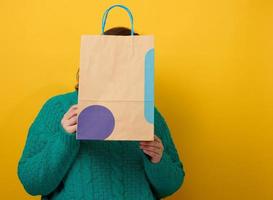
(116, 86)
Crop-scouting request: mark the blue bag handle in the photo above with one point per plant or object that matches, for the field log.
(104, 18)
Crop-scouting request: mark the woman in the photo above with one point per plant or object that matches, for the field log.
(57, 166)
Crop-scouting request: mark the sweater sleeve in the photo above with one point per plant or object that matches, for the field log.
(49, 151)
(167, 175)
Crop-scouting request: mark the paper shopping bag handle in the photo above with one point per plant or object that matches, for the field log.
(104, 18)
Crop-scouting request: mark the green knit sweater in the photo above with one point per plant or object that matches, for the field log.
(56, 166)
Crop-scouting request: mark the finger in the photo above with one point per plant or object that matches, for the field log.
(147, 142)
(74, 128)
(72, 120)
(71, 129)
(150, 153)
(152, 144)
(71, 114)
(152, 149)
(157, 138)
(73, 107)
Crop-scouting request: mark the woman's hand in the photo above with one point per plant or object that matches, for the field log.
(153, 148)
(69, 121)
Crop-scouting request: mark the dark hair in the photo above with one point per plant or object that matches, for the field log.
(112, 31)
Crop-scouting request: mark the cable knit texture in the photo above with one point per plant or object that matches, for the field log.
(56, 166)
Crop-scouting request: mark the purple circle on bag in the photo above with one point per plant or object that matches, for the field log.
(95, 122)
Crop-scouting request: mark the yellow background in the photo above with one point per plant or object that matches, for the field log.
(214, 84)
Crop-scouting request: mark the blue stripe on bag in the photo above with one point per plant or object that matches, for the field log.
(149, 86)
